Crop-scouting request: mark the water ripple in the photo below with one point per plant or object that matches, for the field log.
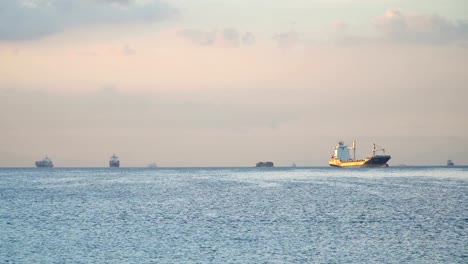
(234, 215)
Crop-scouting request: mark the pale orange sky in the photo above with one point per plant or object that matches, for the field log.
(225, 96)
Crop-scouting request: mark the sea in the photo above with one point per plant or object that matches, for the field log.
(234, 215)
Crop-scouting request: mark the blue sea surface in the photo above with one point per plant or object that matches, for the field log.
(234, 215)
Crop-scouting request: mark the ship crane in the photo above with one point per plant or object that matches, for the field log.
(353, 147)
(376, 148)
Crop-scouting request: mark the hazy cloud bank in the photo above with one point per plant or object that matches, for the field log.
(32, 19)
(111, 109)
(287, 39)
(368, 99)
(421, 28)
(224, 37)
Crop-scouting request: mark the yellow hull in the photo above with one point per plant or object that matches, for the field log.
(379, 161)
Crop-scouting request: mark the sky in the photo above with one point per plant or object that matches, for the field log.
(232, 82)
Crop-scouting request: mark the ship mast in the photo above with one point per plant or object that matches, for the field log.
(354, 149)
(375, 149)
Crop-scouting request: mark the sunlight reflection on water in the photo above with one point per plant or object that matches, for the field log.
(240, 215)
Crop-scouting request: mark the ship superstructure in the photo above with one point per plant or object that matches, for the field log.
(114, 161)
(264, 164)
(45, 163)
(342, 158)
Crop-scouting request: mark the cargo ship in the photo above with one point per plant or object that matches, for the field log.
(45, 163)
(450, 163)
(114, 161)
(264, 164)
(341, 157)
(152, 165)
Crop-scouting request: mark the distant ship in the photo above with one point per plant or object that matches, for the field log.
(293, 165)
(114, 161)
(152, 165)
(450, 163)
(341, 157)
(45, 163)
(264, 164)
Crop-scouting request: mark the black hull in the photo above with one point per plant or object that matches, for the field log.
(377, 161)
(114, 164)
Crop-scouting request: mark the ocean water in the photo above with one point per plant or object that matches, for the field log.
(234, 215)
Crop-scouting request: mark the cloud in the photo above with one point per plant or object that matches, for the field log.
(248, 39)
(108, 107)
(128, 50)
(421, 28)
(199, 37)
(231, 36)
(340, 27)
(287, 39)
(122, 2)
(32, 19)
(182, 99)
(225, 37)
(341, 35)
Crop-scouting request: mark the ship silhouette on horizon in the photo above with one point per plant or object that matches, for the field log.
(46, 162)
(114, 161)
